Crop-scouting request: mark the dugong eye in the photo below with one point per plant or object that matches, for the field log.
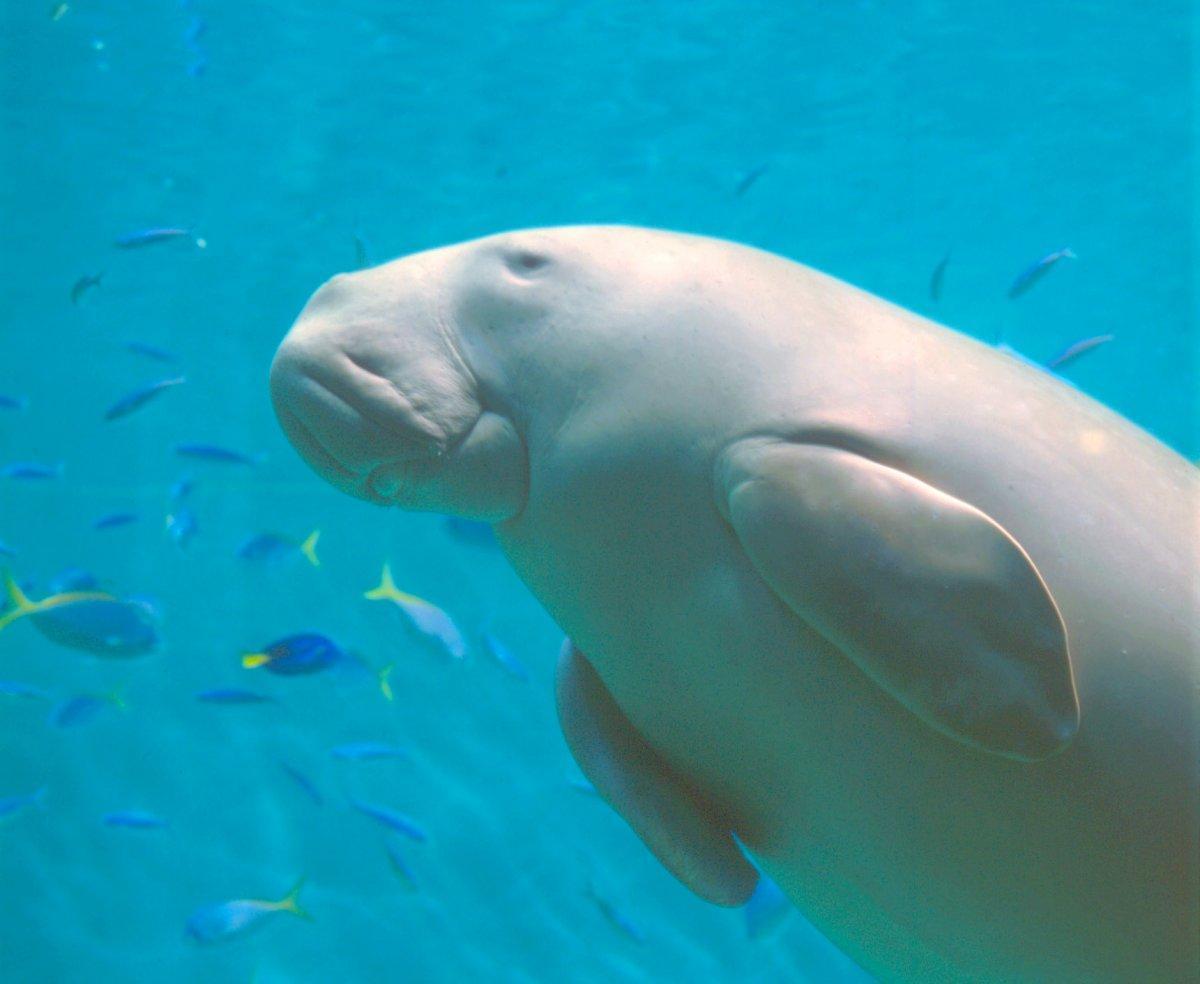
(525, 262)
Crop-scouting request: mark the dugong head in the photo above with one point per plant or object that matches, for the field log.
(421, 383)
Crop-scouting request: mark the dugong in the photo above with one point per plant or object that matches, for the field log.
(911, 620)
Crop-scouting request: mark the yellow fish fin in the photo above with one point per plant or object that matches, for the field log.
(309, 548)
(387, 590)
(291, 901)
(252, 660)
(21, 605)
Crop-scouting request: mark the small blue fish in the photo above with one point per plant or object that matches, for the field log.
(140, 397)
(150, 351)
(1036, 270)
(182, 526)
(391, 819)
(12, 402)
(82, 708)
(224, 920)
(301, 780)
(296, 655)
(113, 520)
(148, 237)
(11, 688)
(749, 180)
(363, 751)
(273, 547)
(400, 867)
(426, 616)
(134, 820)
(766, 908)
(31, 470)
(6, 550)
(211, 452)
(936, 278)
(1076, 349)
(10, 806)
(181, 488)
(233, 695)
(194, 31)
(616, 916)
(504, 657)
(84, 284)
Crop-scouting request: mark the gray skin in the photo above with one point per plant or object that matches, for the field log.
(915, 620)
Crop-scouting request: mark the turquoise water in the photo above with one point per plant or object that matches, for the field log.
(866, 139)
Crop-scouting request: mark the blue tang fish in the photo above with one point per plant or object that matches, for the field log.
(426, 616)
(221, 921)
(296, 655)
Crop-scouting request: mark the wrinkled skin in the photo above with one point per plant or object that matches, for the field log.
(576, 387)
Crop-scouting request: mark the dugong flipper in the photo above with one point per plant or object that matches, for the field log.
(931, 598)
(686, 832)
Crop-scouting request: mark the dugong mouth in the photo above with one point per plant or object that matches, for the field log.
(424, 443)
(357, 429)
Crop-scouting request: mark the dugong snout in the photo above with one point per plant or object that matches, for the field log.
(371, 391)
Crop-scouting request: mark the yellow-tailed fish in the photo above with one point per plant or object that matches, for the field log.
(20, 605)
(224, 920)
(425, 616)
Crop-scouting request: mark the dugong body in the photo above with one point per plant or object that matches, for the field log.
(912, 619)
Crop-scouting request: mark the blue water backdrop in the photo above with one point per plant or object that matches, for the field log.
(284, 142)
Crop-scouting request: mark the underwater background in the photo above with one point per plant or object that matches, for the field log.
(177, 177)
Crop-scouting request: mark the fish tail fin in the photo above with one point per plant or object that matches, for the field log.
(309, 548)
(387, 590)
(291, 901)
(21, 605)
(385, 683)
(254, 660)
